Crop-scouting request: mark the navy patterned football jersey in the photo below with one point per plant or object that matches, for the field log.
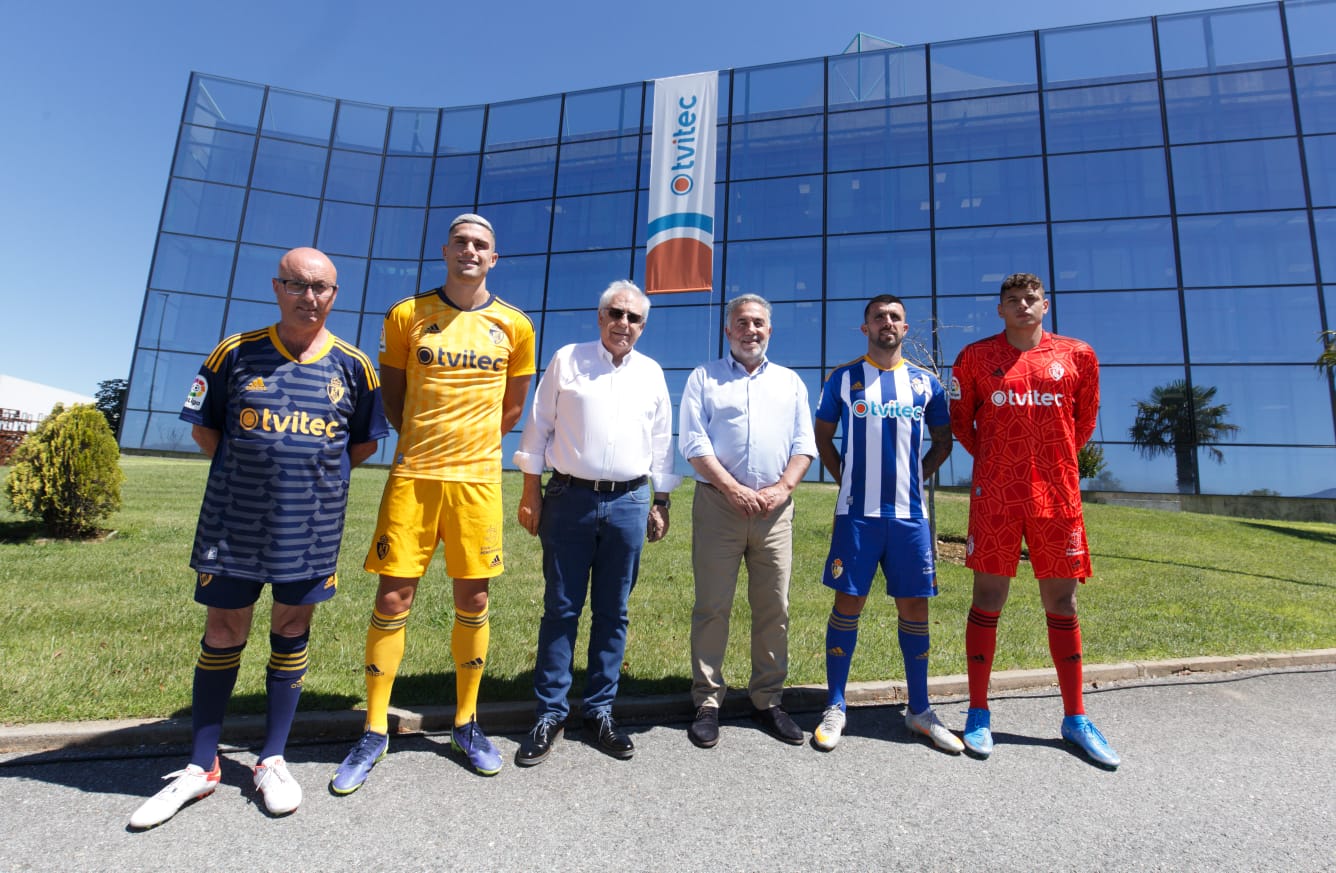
(278, 483)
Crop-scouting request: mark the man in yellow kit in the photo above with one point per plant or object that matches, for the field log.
(455, 365)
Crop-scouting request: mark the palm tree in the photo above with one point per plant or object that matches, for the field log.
(1177, 421)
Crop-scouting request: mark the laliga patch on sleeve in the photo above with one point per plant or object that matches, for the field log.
(953, 390)
(198, 389)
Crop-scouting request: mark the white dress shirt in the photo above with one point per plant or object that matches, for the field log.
(752, 423)
(594, 420)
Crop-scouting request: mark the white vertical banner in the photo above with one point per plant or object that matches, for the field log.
(680, 255)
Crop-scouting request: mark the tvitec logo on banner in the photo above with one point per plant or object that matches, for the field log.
(680, 256)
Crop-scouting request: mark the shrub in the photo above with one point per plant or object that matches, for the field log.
(1090, 461)
(67, 472)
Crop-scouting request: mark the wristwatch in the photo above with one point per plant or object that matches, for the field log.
(665, 502)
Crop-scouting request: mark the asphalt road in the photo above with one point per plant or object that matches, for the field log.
(1220, 772)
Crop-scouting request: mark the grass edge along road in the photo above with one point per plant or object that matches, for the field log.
(109, 629)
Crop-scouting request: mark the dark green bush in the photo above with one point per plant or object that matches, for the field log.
(67, 472)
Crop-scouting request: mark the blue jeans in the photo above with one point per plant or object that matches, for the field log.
(591, 543)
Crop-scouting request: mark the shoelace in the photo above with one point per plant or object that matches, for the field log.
(365, 750)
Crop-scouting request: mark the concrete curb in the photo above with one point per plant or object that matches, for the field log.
(515, 717)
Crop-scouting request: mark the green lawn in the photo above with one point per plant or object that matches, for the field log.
(109, 629)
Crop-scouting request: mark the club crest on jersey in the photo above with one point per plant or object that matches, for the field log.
(1074, 544)
(919, 385)
(199, 389)
(953, 390)
(205, 579)
(1056, 371)
(497, 334)
(335, 390)
(836, 568)
(383, 546)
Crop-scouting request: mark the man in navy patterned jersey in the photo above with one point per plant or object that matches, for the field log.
(284, 413)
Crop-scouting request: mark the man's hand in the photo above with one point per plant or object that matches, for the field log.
(657, 526)
(530, 511)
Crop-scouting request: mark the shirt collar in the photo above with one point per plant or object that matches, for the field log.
(737, 367)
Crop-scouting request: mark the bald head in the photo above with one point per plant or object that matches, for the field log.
(295, 263)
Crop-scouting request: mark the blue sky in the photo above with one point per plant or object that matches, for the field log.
(93, 91)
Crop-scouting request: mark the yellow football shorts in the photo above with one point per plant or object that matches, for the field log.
(416, 514)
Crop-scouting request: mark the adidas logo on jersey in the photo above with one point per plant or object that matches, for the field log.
(256, 384)
(432, 328)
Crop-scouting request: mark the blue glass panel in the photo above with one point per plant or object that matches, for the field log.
(989, 192)
(223, 103)
(1311, 25)
(983, 66)
(1127, 470)
(517, 175)
(413, 131)
(302, 117)
(796, 340)
(213, 155)
(783, 89)
(181, 323)
(888, 137)
(389, 282)
(280, 220)
(163, 432)
(978, 259)
(1124, 327)
(521, 228)
(352, 282)
(874, 78)
(783, 147)
(256, 267)
(368, 340)
(345, 228)
(184, 263)
(1315, 88)
(1265, 402)
(244, 315)
(575, 280)
(1321, 154)
(1324, 228)
(523, 122)
(433, 274)
(361, 126)
(1289, 472)
(461, 130)
(404, 181)
(1229, 106)
(1098, 53)
(161, 380)
(353, 176)
(1120, 389)
(438, 229)
(868, 200)
(1220, 40)
(289, 167)
(845, 340)
(455, 180)
(1113, 255)
(862, 266)
(519, 281)
(561, 327)
(774, 207)
(788, 269)
(398, 233)
(1110, 116)
(961, 321)
(598, 166)
(1108, 185)
(596, 222)
(986, 127)
(202, 209)
(1255, 249)
(680, 336)
(606, 112)
(1251, 325)
(1262, 174)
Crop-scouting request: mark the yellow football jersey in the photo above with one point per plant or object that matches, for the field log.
(457, 363)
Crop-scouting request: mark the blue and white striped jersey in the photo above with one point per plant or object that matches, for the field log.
(885, 417)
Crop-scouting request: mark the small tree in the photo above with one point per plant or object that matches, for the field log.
(1090, 460)
(111, 402)
(67, 472)
(1327, 360)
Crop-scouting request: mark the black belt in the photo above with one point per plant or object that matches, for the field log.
(600, 485)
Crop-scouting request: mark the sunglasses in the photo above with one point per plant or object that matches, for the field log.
(617, 314)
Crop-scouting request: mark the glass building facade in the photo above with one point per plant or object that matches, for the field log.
(1173, 180)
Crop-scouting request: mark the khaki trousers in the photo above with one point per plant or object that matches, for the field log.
(721, 538)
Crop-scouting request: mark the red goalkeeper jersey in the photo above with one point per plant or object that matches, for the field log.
(1023, 415)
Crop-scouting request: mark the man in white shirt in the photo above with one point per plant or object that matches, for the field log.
(602, 421)
(746, 429)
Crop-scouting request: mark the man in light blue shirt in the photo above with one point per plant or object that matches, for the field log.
(746, 429)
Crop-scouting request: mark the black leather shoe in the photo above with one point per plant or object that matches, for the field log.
(610, 738)
(704, 731)
(538, 743)
(777, 723)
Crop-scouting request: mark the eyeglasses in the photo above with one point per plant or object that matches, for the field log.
(616, 313)
(297, 288)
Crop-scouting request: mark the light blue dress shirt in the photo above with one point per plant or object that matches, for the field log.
(752, 423)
